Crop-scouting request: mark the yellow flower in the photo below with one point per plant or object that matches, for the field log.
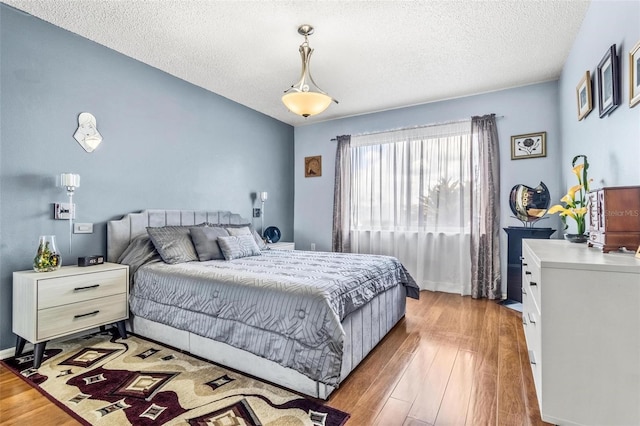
(581, 211)
(555, 209)
(575, 201)
(568, 199)
(577, 170)
(572, 191)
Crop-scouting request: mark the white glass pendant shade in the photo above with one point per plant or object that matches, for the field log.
(306, 104)
(305, 98)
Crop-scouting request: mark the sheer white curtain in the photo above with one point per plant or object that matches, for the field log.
(410, 199)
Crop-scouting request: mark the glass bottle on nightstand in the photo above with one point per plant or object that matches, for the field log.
(48, 257)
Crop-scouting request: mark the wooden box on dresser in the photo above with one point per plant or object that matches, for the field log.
(53, 304)
(581, 318)
(614, 218)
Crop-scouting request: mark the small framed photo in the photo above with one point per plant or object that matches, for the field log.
(583, 93)
(313, 166)
(609, 82)
(634, 75)
(531, 145)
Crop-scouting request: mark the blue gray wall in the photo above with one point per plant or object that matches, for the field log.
(525, 110)
(167, 144)
(612, 143)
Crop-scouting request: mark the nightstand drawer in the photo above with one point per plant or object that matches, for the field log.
(77, 288)
(67, 319)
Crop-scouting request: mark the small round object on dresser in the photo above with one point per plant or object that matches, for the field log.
(272, 234)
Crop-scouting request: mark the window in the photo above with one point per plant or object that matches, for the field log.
(410, 198)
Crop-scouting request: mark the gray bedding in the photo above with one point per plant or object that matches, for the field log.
(285, 306)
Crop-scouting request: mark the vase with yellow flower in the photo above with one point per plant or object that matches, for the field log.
(575, 201)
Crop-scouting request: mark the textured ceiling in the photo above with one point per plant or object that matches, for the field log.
(370, 55)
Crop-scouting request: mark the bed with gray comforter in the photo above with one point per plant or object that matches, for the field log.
(286, 306)
(289, 307)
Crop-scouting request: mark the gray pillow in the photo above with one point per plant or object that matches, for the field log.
(139, 252)
(246, 229)
(205, 240)
(173, 243)
(238, 246)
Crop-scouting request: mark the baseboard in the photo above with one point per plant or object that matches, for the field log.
(6, 353)
(9, 352)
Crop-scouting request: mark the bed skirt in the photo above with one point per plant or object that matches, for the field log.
(364, 329)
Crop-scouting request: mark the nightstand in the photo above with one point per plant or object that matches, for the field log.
(47, 305)
(282, 245)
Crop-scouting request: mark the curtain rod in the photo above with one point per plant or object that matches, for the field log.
(416, 127)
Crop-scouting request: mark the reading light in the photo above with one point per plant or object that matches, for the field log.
(263, 198)
(70, 181)
(305, 98)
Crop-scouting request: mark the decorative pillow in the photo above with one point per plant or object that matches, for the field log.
(246, 229)
(173, 243)
(235, 231)
(140, 247)
(205, 239)
(139, 252)
(238, 246)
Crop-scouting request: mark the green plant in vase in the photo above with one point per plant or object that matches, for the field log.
(575, 201)
(47, 258)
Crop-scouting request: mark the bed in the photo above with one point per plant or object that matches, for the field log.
(302, 320)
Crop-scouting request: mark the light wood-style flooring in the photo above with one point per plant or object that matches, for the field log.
(451, 361)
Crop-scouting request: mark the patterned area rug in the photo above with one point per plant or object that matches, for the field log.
(101, 380)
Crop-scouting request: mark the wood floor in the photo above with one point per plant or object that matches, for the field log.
(451, 361)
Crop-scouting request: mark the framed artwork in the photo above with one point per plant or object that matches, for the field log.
(634, 75)
(609, 82)
(583, 93)
(313, 166)
(531, 145)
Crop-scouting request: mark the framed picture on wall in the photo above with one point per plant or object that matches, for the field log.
(583, 93)
(531, 145)
(313, 166)
(609, 82)
(634, 75)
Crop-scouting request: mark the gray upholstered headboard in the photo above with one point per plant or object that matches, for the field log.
(121, 232)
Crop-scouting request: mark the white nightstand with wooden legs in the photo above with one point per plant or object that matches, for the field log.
(47, 305)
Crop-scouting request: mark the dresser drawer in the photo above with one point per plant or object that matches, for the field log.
(536, 370)
(532, 325)
(531, 322)
(61, 320)
(531, 278)
(77, 288)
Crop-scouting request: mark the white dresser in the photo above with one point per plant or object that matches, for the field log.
(581, 318)
(47, 305)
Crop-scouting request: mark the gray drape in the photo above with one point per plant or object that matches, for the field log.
(485, 209)
(341, 198)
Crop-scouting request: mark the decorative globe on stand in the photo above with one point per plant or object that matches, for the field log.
(272, 234)
(529, 205)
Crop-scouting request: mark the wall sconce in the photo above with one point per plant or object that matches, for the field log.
(70, 181)
(263, 198)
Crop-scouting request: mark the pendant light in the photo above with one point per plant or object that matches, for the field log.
(305, 98)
